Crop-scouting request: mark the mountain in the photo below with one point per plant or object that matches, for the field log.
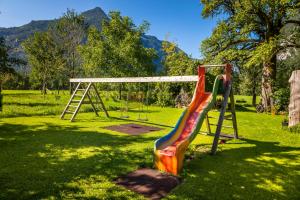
(16, 35)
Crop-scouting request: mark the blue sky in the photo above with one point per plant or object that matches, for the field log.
(180, 19)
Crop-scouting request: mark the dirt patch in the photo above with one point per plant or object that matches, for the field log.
(133, 129)
(148, 182)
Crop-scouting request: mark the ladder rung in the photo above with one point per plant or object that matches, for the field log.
(212, 117)
(75, 101)
(204, 132)
(227, 116)
(227, 126)
(222, 126)
(68, 111)
(80, 90)
(73, 106)
(78, 95)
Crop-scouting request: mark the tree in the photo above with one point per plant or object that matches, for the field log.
(68, 32)
(6, 65)
(176, 62)
(5, 69)
(249, 82)
(251, 31)
(44, 57)
(117, 50)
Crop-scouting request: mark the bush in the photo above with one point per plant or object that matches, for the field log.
(164, 97)
(182, 99)
(281, 99)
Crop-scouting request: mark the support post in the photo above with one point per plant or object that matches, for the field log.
(208, 125)
(221, 118)
(100, 100)
(93, 106)
(233, 114)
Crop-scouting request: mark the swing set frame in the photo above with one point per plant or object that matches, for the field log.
(84, 85)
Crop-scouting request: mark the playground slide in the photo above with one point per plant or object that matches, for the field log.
(169, 150)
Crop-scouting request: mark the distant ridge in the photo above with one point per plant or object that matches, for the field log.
(16, 35)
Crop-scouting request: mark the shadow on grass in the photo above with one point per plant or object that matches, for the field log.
(33, 104)
(244, 108)
(142, 121)
(259, 170)
(50, 161)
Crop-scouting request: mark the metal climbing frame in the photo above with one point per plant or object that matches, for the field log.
(82, 91)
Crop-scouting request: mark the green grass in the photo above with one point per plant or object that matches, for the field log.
(43, 157)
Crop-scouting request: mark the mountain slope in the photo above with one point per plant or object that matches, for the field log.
(16, 35)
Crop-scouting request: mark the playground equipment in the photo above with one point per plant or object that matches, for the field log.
(294, 106)
(85, 87)
(83, 90)
(169, 150)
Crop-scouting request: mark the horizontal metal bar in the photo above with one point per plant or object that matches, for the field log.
(137, 79)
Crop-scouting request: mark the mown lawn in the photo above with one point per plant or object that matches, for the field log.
(43, 157)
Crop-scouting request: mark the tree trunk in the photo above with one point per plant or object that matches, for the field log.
(254, 98)
(44, 91)
(72, 71)
(120, 91)
(1, 96)
(254, 91)
(71, 88)
(268, 80)
(0, 87)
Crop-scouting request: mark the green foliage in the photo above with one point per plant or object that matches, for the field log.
(7, 63)
(163, 94)
(177, 63)
(250, 34)
(68, 33)
(250, 30)
(117, 50)
(282, 99)
(53, 54)
(45, 58)
(286, 67)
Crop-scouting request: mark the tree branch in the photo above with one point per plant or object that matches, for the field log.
(291, 21)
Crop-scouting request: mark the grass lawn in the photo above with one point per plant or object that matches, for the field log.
(43, 157)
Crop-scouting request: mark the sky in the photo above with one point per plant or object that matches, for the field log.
(178, 21)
